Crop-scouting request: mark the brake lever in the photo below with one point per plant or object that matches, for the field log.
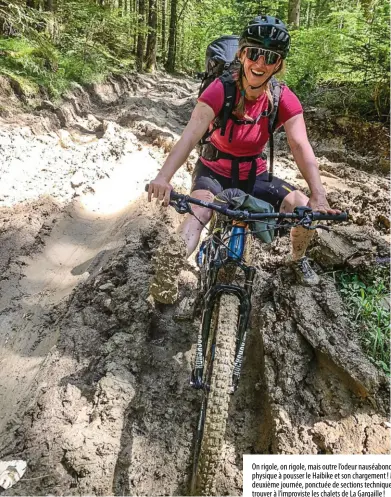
(306, 221)
(181, 206)
(302, 211)
(321, 226)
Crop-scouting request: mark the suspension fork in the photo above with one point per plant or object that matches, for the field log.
(210, 299)
(242, 328)
(236, 246)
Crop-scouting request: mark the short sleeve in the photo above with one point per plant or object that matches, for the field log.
(213, 96)
(289, 106)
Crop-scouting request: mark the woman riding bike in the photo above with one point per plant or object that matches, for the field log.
(263, 46)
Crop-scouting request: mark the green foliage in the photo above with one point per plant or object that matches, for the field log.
(344, 64)
(367, 299)
(85, 25)
(312, 56)
(339, 56)
(80, 43)
(26, 64)
(94, 41)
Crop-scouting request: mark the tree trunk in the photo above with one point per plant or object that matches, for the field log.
(170, 64)
(151, 42)
(134, 10)
(294, 13)
(180, 44)
(140, 36)
(320, 10)
(49, 5)
(164, 41)
(307, 16)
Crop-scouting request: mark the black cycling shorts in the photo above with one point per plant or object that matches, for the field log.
(272, 192)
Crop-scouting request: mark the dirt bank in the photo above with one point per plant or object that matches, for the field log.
(94, 381)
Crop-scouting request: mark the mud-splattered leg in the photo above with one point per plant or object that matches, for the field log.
(190, 230)
(300, 237)
(171, 254)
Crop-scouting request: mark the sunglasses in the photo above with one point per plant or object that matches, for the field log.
(253, 54)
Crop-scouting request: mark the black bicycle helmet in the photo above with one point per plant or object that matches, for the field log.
(270, 33)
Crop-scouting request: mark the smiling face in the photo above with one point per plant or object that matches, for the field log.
(257, 72)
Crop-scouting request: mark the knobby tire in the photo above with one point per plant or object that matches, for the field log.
(214, 411)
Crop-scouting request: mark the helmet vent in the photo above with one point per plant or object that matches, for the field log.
(269, 32)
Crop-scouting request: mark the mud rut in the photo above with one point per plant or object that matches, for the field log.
(94, 377)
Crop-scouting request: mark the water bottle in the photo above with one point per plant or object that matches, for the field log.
(236, 242)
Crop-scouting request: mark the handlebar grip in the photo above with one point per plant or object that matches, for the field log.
(319, 216)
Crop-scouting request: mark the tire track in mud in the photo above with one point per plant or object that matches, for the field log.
(47, 280)
(68, 244)
(110, 410)
(111, 359)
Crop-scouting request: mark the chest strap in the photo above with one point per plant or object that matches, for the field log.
(211, 153)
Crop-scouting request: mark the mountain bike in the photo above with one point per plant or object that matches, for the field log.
(226, 307)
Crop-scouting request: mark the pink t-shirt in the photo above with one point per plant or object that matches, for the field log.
(249, 139)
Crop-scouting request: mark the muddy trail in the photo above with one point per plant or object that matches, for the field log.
(94, 377)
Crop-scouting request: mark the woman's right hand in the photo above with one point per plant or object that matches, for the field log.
(159, 188)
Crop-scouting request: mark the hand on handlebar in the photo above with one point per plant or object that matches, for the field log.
(159, 188)
(318, 203)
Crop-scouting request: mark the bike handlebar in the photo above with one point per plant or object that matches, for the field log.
(182, 202)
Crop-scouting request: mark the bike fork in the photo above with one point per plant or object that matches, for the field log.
(244, 295)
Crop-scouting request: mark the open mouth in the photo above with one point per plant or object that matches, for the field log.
(256, 73)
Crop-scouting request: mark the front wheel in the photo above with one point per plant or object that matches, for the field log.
(215, 404)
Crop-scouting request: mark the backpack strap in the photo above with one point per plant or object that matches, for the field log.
(238, 121)
(272, 124)
(221, 119)
(251, 175)
(211, 153)
(271, 113)
(229, 86)
(276, 93)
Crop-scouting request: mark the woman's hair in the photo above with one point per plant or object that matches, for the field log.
(239, 108)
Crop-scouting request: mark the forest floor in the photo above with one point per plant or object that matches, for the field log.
(94, 377)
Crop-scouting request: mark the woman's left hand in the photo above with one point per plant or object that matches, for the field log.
(319, 203)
